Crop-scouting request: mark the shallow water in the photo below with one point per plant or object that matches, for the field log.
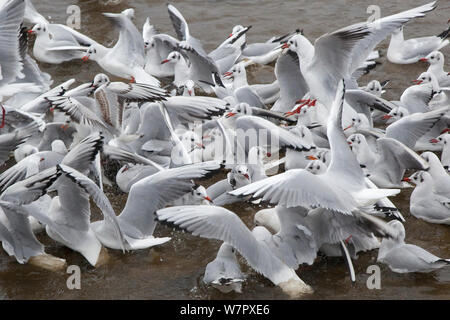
(175, 269)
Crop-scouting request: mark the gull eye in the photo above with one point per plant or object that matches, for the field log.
(353, 119)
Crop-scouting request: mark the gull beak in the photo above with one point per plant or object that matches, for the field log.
(311, 158)
(247, 176)
(230, 114)
(230, 35)
(423, 59)
(417, 81)
(30, 31)
(406, 179)
(346, 128)
(208, 198)
(269, 154)
(228, 75)
(42, 159)
(85, 58)
(445, 130)
(285, 45)
(386, 117)
(434, 140)
(200, 145)
(190, 92)
(349, 143)
(165, 61)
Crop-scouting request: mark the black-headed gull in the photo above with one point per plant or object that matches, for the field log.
(425, 203)
(127, 58)
(387, 166)
(403, 51)
(255, 246)
(338, 54)
(136, 219)
(441, 179)
(342, 188)
(16, 232)
(224, 273)
(402, 257)
(436, 61)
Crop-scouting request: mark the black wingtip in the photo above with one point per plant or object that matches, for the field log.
(445, 34)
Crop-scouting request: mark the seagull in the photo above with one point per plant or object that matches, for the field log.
(403, 51)
(136, 219)
(387, 166)
(338, 54)
(223, 273)
(425, 204)
(341, 188)
(404, 258)
(436, 61)
(219, 223)
(126, 59)
(444, 141)
(57, 43)
(441, 180)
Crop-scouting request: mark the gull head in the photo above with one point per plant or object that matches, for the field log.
(237, 71)
(199, 195)
(149, 44)
(301, 46)
(374, 87)
(173, 57)
(355, 141)
(396, 114)
(99, 80)
(38, 29)
(91, 53)
(419, 177)
(316, 167)
(442, 139)
(434, 58)
(424, 77)
(241, 109)
(241, 173)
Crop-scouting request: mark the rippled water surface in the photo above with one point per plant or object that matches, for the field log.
(175, 269)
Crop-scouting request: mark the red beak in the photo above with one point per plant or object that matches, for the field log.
(423, 59)
(417, 81)
(269, 154)
(434, 140)
(230, 35)
(208, 198)
(386, 117)
(230, 114)
(165, 61)
(445, 130)
(285, 45)
(85, 58)
(246, 175)
(228, 74)
(311, 158)
(30, 31)
(348, 127)
(3, 116)
(406, 179)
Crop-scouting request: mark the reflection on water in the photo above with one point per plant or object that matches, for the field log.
(175, 269)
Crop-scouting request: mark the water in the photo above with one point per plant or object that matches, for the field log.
(175, 269)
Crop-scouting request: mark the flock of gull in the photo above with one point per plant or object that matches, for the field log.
(323, 153)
